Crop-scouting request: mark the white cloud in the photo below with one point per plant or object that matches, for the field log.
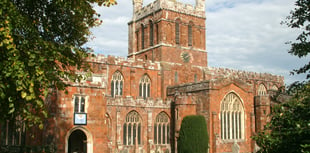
(249, 36)
(241, 34)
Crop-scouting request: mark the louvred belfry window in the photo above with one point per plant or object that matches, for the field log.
(151, 35)
(142, 36)
(177, 31)
(190, 34)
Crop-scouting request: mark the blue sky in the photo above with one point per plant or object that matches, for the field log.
(240, 34)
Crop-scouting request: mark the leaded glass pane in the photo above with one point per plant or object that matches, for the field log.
(112, 88)
(139, 133)
(125, 134)
(134, 133)
(82, 109)
(76, 104)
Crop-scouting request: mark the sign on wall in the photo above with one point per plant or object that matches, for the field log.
(80, 118)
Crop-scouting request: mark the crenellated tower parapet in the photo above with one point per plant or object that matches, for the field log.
(137, 5)
(173, 5)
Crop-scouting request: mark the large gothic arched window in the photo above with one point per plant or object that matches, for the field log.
(117, 84)
(132, 129)
(144, 87)
(232, 118)
(262, 91)
(162, 129)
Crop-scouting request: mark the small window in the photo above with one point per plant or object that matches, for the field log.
(274, 88)
(117, 84)
(176, 78)
(79, 104)
(262, 91)
(144, 87)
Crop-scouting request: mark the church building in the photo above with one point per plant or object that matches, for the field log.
(136, 104)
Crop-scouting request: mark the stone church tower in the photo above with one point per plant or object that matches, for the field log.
(136, 104)
(168, 31)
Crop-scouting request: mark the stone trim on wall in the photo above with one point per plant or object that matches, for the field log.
(185, 88)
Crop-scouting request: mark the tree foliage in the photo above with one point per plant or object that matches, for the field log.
(41, 47)
(193, 136)
(289, 127)
(300, 18)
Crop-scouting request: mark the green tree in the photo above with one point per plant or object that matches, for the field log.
(41, 47)
(300, 18)
(193, 136)
(289, 127)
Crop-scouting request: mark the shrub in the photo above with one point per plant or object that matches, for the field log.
(193, 135)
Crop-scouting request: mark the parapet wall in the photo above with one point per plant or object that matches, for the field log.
(139, 102)
(198, 10)
(100, 66)
(216, 73)
(121, 61)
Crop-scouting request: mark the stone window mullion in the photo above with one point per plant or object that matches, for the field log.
(222, 125)
(117, 84)
(226, 124)
(231, 118)
(132, 134)
(233, 124)
(162, 132)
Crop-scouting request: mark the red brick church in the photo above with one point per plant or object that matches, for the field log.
(136, 104)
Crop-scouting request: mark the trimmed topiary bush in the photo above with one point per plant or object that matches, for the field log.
(193, 135)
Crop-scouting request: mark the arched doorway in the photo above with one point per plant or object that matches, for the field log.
(77, 142)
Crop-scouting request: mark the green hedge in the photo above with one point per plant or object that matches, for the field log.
(193, 135)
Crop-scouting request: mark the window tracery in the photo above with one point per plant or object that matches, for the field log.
(132, 129)
(144, 87)
(262, 91)
(117, 84)
(162, 129)
(79, 103)
(232, 118)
